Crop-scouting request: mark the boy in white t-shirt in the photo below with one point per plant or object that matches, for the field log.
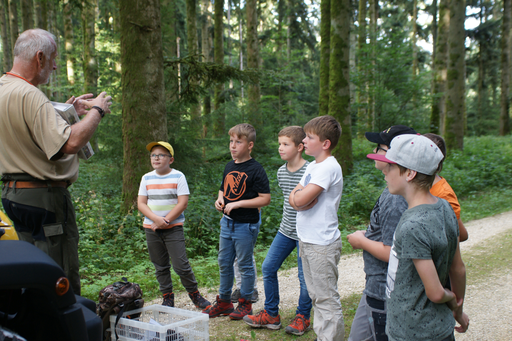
(163, 196)
(317, 198)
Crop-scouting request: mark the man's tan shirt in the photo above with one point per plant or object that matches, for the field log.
(31, 133)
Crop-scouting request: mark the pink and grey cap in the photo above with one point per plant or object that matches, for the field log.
(415, 152)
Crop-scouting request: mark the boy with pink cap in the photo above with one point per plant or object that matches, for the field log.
(425, 249)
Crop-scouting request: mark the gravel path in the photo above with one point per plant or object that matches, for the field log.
(489, 310)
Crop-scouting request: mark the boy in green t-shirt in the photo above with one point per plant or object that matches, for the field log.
(425, 249)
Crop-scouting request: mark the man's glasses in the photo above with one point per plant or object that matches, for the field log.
(159, 156)
(380, 148)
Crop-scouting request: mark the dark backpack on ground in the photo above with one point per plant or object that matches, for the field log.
(117, 298)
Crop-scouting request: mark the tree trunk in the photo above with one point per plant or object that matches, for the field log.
(482, 95)
(68, 42)
(89, 63)
(38, 18)
(170, 49)
(454, 121)
(505, 76)
(206, 52)
(241, 47)
(414, 39)
(414, 52)
(325, 50)
(434, 31)
(339, 80)
(362, 94)
(13, 21)
(168, 14)
(27, 17)
(372, 115)
(41, 8)
(6, 42)
(219, 59)
(142, 81)
(440, 70)
(195, 109)
(254, 116)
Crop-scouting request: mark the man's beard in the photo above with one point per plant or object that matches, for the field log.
(45, 76)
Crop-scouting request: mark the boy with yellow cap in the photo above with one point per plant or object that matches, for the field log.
(163, 196)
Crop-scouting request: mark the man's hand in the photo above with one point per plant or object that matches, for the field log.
(79, 103)
(355, 239)
(83, 104)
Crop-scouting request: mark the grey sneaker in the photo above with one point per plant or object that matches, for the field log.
(235, 295)
(255, 296)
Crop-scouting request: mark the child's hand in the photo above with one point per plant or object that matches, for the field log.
(308, 206)
(355, 239)
(463, 320)
(159, 223)
(219, 205)
(461, 317)
(231, 206)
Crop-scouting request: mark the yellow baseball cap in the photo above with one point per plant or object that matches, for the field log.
(166, 145)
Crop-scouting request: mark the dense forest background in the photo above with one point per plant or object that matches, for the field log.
(185, 71)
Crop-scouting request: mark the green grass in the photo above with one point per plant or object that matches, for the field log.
(489, 258)
(486, 204)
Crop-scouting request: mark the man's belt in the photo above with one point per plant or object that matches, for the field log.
(36, 184)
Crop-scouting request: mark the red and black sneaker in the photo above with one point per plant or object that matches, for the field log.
(298, 326)
(220, 307)
(168, 299)
(263, 319)
(244, 308)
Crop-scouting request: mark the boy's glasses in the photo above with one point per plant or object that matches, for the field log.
(158, 156)
(380, 148)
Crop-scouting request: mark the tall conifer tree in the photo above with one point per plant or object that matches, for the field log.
(142, 81)
(339, 80)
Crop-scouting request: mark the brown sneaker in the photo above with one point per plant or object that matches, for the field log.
(168, 299)
(244, 308)
(220, 307)
(298, 326)
(263, 319)
(198, 300)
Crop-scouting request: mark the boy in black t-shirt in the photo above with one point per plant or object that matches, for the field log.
(244, 190)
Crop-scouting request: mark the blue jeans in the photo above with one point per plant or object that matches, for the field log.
(237, 240)
(281, 248)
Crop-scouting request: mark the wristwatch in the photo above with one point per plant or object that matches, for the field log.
(101, 111)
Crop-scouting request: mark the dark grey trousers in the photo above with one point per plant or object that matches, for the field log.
(166, 247)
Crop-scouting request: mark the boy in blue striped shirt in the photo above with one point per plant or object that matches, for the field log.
(163, 196)
(286, 240)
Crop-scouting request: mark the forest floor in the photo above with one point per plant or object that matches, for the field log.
(487, 255)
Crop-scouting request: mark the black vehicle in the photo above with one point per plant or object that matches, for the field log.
(36, 301)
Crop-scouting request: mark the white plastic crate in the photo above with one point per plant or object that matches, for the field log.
(175, 325)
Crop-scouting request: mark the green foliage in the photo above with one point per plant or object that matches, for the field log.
(198, 76)
(485, 163)
(399, 98)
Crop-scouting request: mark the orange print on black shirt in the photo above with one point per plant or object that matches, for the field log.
(235, 185)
